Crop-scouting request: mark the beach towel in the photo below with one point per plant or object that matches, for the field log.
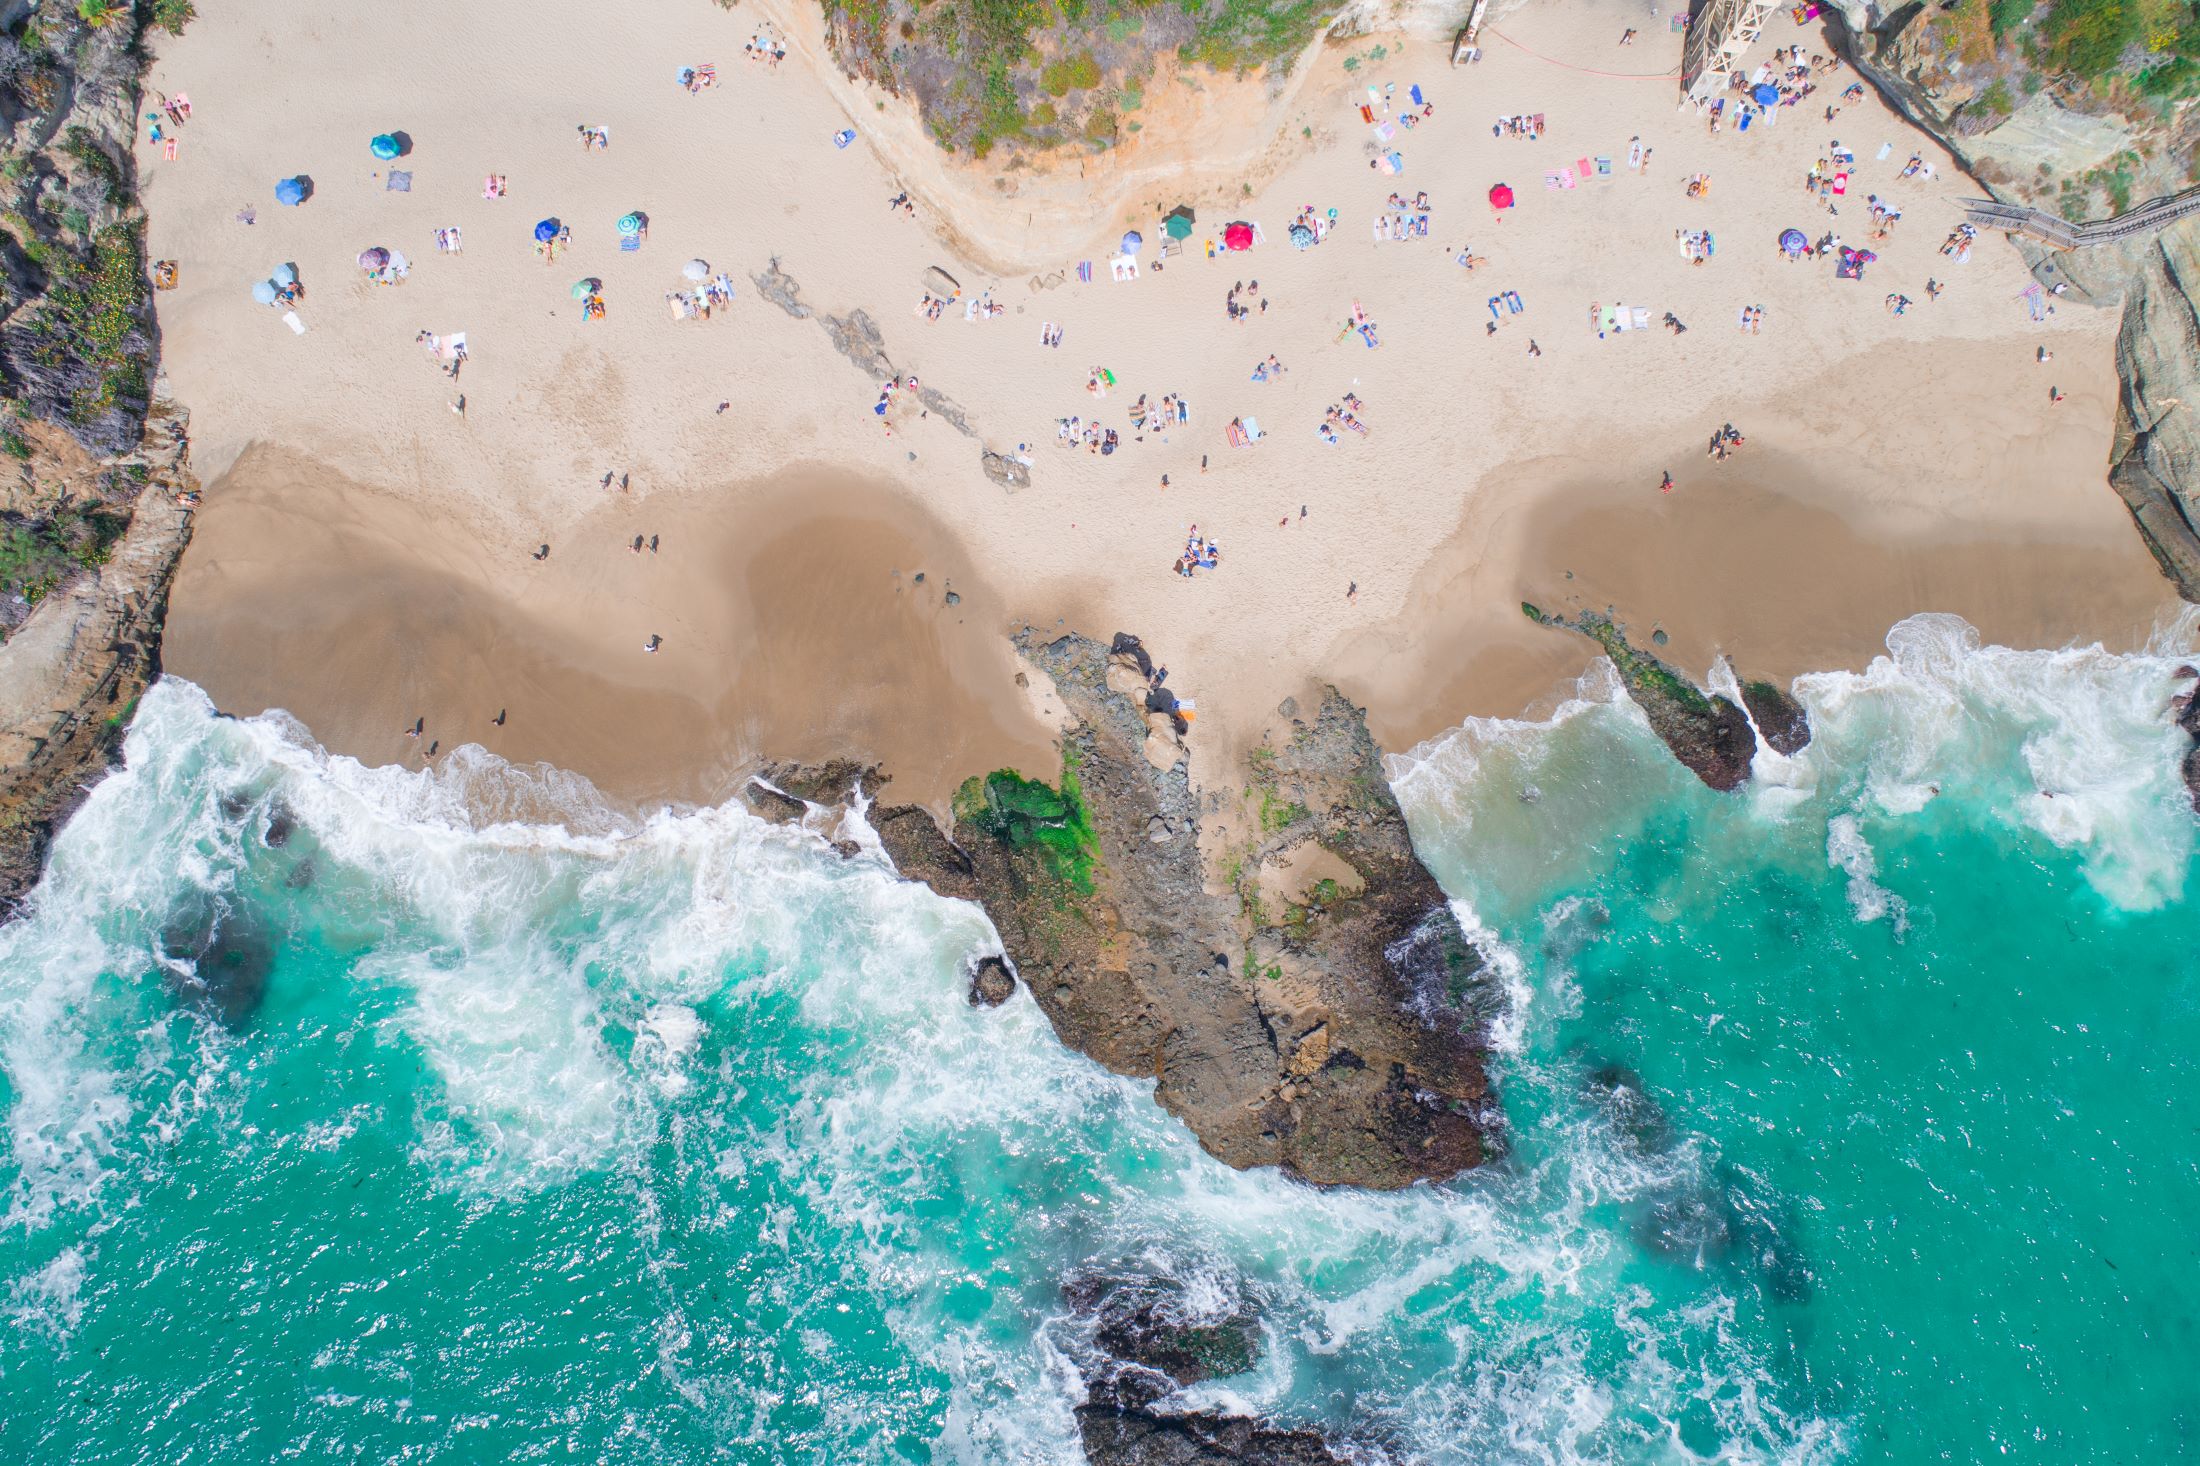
(1385, 131)
(1367, 113)
(1512, 302)
(1551, 183)
(630, 244)
(1608, 319)
(399, 182)
(1884, 150)
(1604, 167)
(1634, 156)
(1253, 433)
(1084, 272)
(1414, 92)
(297, 327)
(2035, 301)
(1581, 166)
(168, 148)
(1376, 98)
(1642, 317)
(1566, 178)
(1235, 435)
(1840, 183)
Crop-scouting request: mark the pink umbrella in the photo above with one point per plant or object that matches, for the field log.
(1237, 236)
(1501, 196)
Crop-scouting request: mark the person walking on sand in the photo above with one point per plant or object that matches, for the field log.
(2055, 396)
(499, 718)
(414, 730)
(1627, 37)
(543, 553)
(655, 641)
(1352, 593)
(1533, 349)
(1666, 487)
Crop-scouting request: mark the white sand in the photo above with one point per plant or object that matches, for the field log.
(1927, 440)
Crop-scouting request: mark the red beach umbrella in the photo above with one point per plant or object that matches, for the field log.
(1238, 236)
(1501, 196)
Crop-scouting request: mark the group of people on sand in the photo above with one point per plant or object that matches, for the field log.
(1269, 370)
(766, 46)
(1074, 432)
(1344, 415)
(1727, 440)
(1242, 313)
(1402, 218)
(1528, 126)
(1171, 411)
(1200, 553)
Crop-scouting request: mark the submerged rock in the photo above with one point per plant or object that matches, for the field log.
(215, 960)
(1128, 1435)
(1152, 1323)
(1344, 1047)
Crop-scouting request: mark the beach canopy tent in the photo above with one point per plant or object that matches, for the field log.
(374, 259)
(1178, 223)
(265, 292)
(696, 270)
(385, 146)
(546, 230)
(1766, 94)
(292, 191)
(1237, 236)
(1794, 242)
(1501, 196)
(286, 274)
(942, 284)
(1301, 237)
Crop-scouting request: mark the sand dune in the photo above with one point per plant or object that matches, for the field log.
(365, 551)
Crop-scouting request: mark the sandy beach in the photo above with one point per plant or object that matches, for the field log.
(365, 554)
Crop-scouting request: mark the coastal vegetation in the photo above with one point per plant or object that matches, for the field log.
(2135, 55)
(1037, 74)
(1026, 815)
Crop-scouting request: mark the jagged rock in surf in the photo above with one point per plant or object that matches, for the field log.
(1708, 734)
(1781, 720)
(1337, 1036)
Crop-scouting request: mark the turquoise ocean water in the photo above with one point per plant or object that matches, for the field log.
(1850, 1117)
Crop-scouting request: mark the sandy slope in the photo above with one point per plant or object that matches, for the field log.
(365, 562)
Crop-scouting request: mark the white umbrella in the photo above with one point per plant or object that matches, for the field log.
(695, 270)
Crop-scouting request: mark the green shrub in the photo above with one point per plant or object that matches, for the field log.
(173, 15)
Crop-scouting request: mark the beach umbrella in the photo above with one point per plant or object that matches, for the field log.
(384, 146)
(1237, 236)
(1301, 237)
(1794, 242)
(696, 270)
(942, 284)
(630, 223)
(291, 191)
(265, 292)
(1133, 241)
(1766, 94)
(1178, 223)
(582, 289)
(546, 230)
(286, 274)
(373, 259)
(1501, 196)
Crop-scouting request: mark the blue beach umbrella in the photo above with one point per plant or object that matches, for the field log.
(291, 191)
(1132, 242)
(265, 292)
(286, 274)
(384, 146)
(1766, 94)
(546, 231)
(630, 224)
(1792, 241)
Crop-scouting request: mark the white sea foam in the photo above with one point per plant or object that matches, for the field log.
(1849, 852)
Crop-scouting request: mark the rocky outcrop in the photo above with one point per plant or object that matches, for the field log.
(1331, 1028)
(1706, 732)
(2186, 707)
(2033, 137)
(1128, 1435)
(991, 983)
(97, 507)
(1780, 719)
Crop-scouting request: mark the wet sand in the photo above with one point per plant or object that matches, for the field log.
(794, 626)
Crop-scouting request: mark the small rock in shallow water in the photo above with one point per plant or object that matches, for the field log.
(991, 983)
(1659, 637)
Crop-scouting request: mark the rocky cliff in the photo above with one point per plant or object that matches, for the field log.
(95, 515)
(2082, 111)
